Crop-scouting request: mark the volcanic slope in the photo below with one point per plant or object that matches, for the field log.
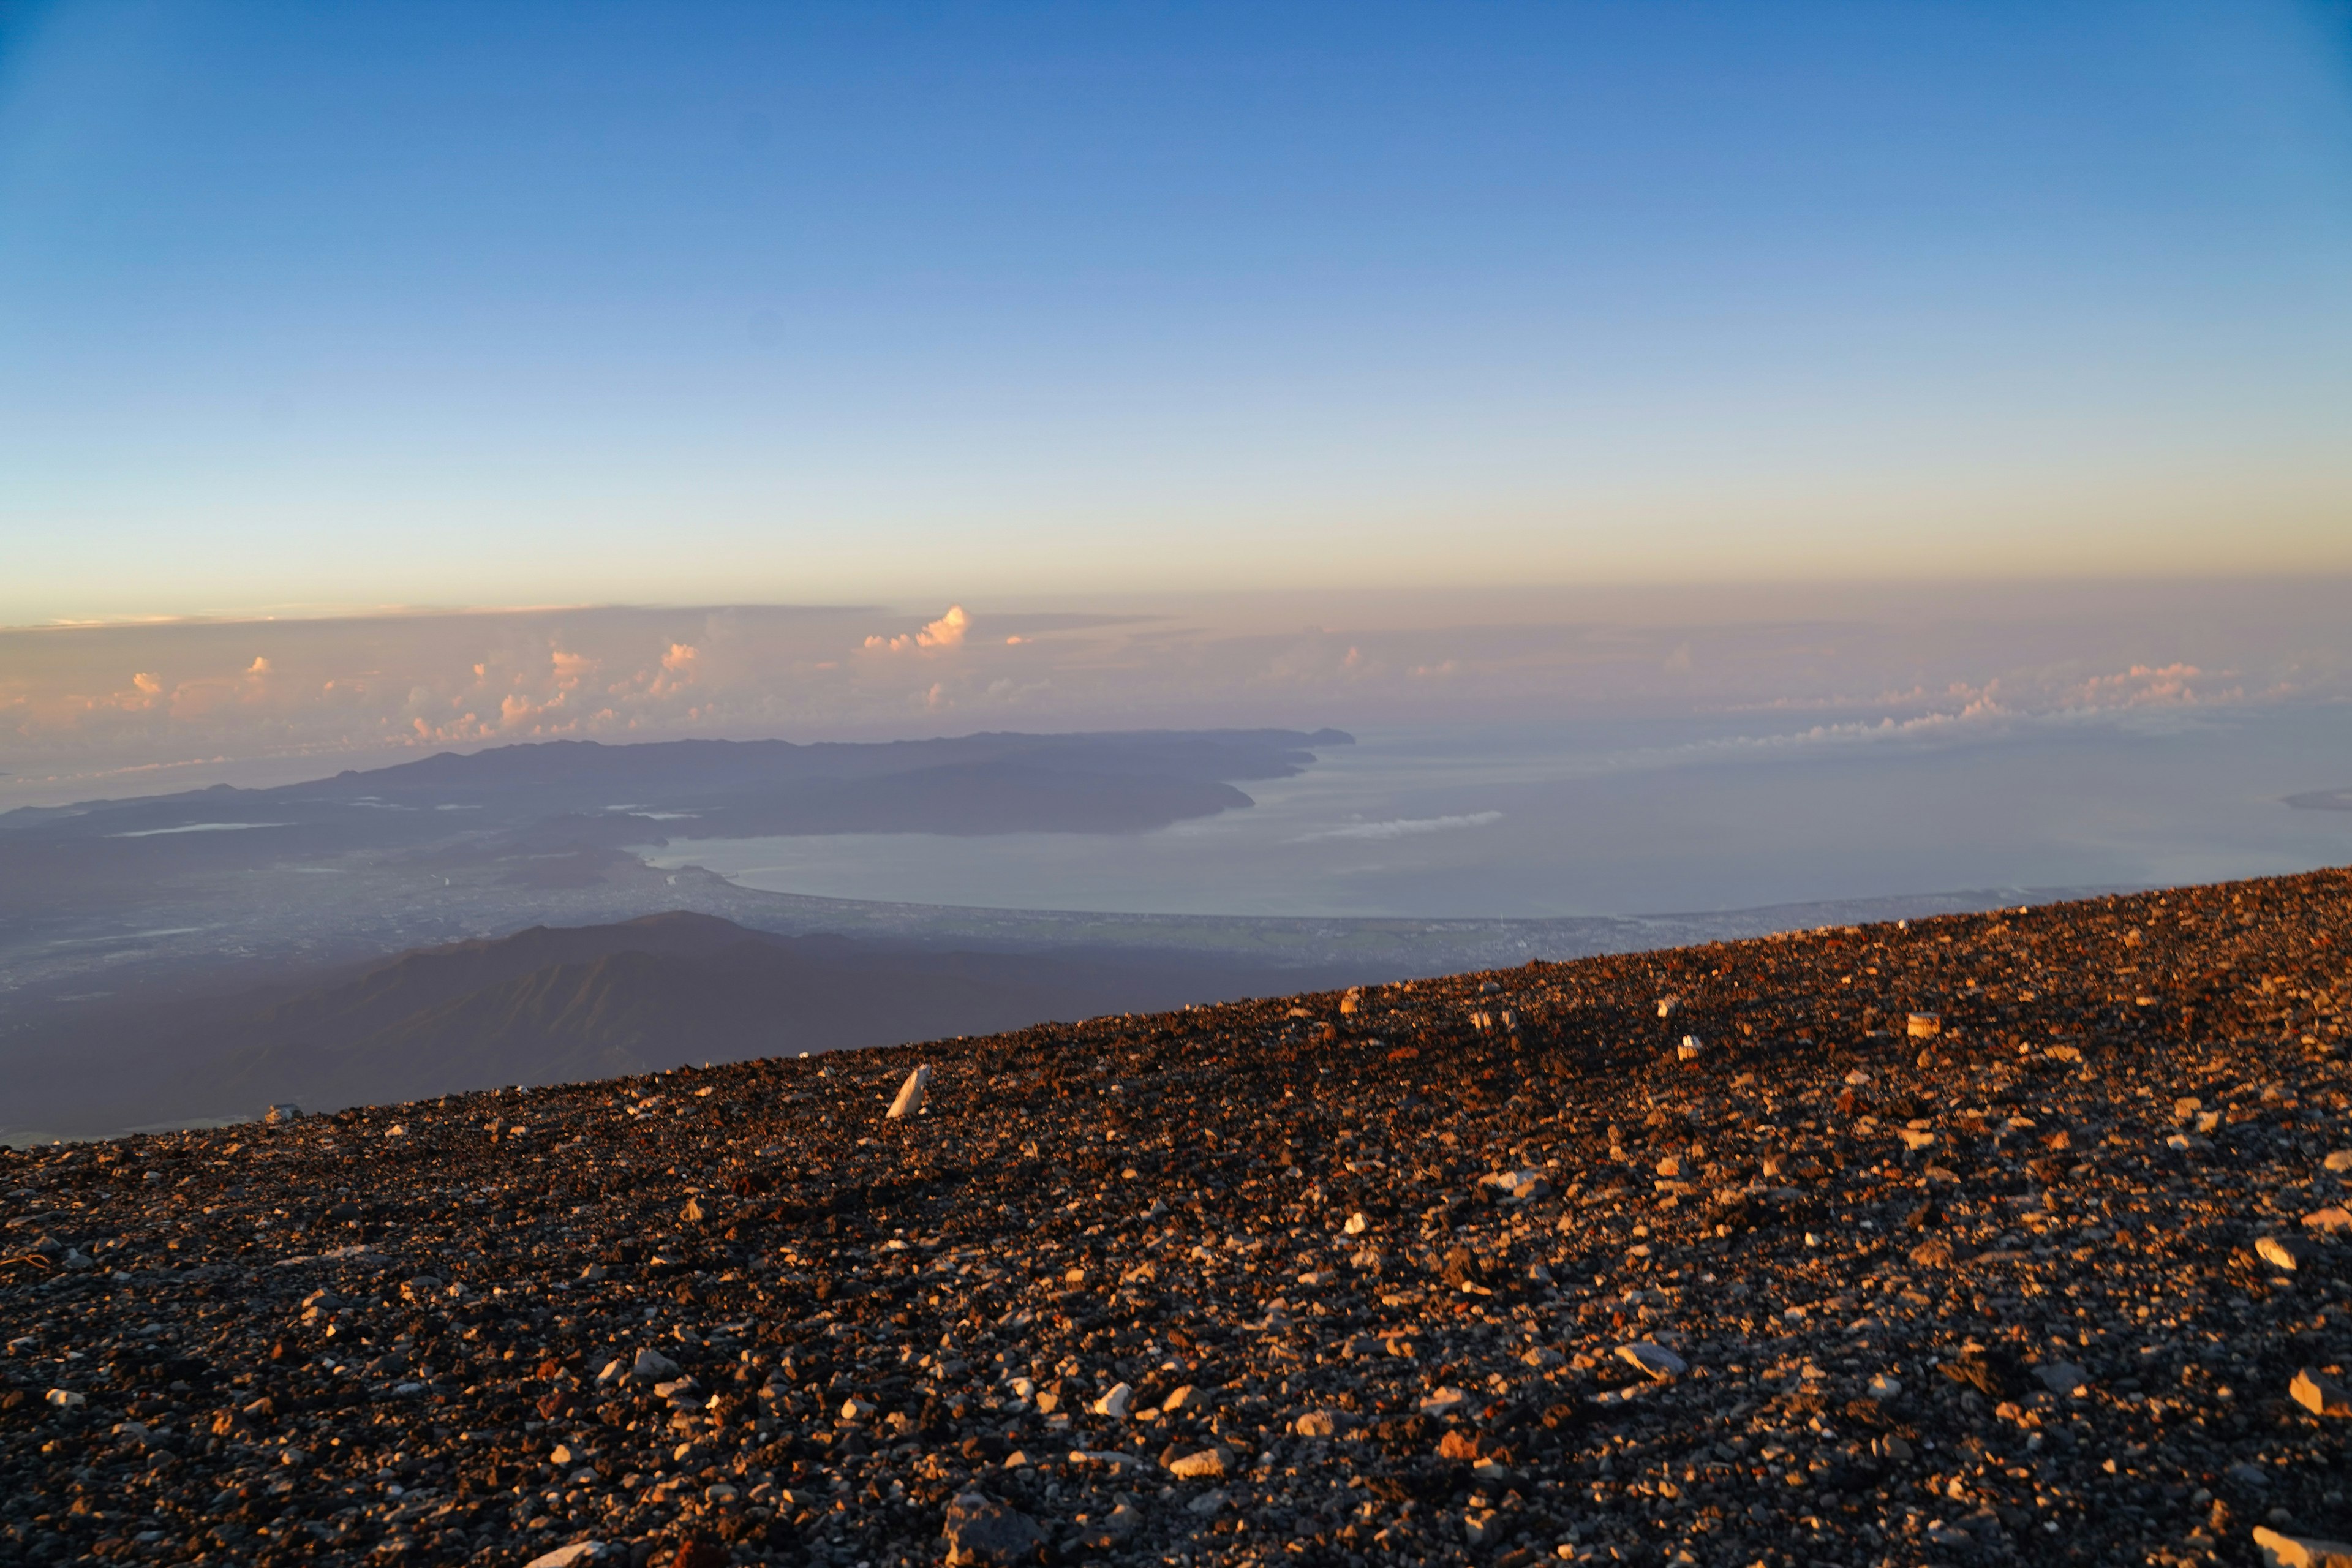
(1481, 1269)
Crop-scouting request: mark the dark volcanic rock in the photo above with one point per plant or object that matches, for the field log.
(1481, 1270)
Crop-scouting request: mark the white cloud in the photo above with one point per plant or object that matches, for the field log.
(945, 632)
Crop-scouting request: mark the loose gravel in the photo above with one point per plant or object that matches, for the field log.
(2017, 1236)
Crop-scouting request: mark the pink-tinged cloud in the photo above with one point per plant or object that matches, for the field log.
(2141, 686)
(945, 632)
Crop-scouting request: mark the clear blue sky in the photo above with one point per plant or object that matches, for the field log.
(516, 303)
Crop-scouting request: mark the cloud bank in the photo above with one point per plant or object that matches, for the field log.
(109, 709)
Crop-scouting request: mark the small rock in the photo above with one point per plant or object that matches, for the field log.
(1208, 1465)
(566, 1556)
(1316, 1423)
(1655, 1360)
(2061, 1377)
(278, 1113)
(652, 1366)
(66, 1399)
(910, 1095)
(855, 1409)
(1440, 1403)
(1484, 1526)
(1186, 1398)
(1917, 1138)
(1516, 1186)
(2248, 1475)
(1358, 1223)
(2339, 1161)
(694, 1213)
(1885, 1385)
(1690, 1048)
(1206, 1503)
(982, 1532)
(2330, 1221)
(2300, 1551)
(2285, 1252)
(2320, 1395)
(1922, 1026)
(1933, 1255)
(1351, 1001)
(1114, 1403)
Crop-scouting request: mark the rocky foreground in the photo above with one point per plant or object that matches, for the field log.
(1493, 1269)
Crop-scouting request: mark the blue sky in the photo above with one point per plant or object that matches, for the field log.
(324, 307)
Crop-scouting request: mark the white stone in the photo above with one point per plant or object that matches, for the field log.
(566, 1556)
(1114, 1403)
(1358, 1223)
(1885, 1385)
(911, 1094)
(1443, 1402)
(1654, 1359)
(652, 1366)
(1186, 1398)
(1516, 1186)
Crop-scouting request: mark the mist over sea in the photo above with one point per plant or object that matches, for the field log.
(1620, 817)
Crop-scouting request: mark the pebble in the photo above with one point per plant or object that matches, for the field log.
(2287, 1252)
(1656, 1360)
(2280, 1550)
(986, 1533)
(909, 1097)
(2320, 1393)
(875, 1340)
(566, 1556)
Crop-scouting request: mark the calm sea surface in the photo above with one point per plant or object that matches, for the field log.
(1625, 817)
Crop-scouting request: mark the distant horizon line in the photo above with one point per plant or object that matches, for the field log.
(1522, 589)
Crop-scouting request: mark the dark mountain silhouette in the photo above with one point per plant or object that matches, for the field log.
(555, 1004)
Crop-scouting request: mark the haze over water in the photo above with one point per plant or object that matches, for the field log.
(1649, 817)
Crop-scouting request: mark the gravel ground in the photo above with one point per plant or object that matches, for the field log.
(1489, 1269)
